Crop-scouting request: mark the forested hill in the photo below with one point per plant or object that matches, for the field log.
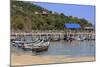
(26, 16)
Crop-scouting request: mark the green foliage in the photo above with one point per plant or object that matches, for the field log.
(23, 18)
(84, 23)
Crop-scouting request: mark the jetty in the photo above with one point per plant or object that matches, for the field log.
(58, 35)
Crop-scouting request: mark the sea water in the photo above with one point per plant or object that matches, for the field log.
(69, 49)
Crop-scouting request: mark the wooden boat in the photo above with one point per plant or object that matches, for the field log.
(42, 47)
(55, 38)
(79, 38)
(38, 45)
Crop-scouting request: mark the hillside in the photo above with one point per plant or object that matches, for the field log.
(26, 16)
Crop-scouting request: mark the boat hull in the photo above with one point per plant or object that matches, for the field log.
(40, 49)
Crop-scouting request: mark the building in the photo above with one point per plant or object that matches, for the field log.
(41, 13)
(89, 29)
(44, 13)
(36, 12)
(72, 27)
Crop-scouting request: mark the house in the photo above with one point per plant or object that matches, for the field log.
(89, 28)
(41, 13)
(72, 26)
(36, 12)
(44, 13)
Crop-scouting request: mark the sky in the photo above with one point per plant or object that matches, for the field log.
(81, 11)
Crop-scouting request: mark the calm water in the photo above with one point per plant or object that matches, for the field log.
(85, 48)
(74, 49)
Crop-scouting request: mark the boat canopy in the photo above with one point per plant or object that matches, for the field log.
(72, 25)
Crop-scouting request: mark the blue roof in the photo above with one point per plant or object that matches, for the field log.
(72, 25)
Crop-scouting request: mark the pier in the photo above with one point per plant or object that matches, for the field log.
(55, 35)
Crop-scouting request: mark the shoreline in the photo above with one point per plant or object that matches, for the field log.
(17, 60)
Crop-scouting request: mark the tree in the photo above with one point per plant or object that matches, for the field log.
(84, 22)
(26, 20)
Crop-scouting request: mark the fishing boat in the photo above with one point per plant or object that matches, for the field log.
(55, 38)
(79, 38)
(19, 43)
(37, 45)
(42, 46)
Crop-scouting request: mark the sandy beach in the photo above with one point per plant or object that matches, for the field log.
(58, 52)
(17, 60)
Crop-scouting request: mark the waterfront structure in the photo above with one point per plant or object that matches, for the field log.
(89, 29)
(72, 26)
